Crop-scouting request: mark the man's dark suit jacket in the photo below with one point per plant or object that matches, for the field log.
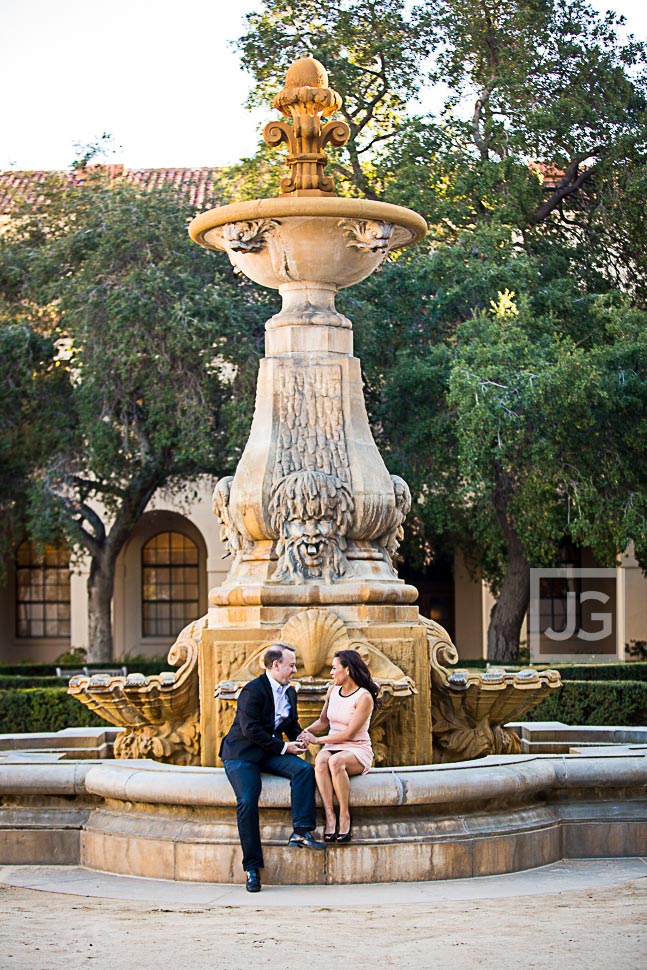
(252, 736)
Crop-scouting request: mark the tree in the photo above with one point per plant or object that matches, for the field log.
(549, 441)
(522, 427)
(32, 391)
(374, 54)
(146, 333)
(544, 131)
(531, 175)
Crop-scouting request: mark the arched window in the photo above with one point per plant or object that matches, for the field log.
(42, 590)
(170, 597)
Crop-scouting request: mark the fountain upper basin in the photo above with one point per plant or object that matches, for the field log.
(320, 239)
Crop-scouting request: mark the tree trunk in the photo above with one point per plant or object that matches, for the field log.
(101, 583)
(104, 549)
(510, 609)
(508, 612)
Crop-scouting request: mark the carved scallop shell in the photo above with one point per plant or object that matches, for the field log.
(315, 635)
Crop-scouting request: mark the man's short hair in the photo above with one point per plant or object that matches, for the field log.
(275, 652)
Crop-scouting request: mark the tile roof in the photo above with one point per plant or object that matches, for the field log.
(196, 183)
(550, 175)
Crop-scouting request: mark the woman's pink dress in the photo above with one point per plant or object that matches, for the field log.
(340, 713)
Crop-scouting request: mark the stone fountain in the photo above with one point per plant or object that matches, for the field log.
(313, 521)
(312, 518)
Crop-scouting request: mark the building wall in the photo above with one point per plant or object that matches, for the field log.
(469, 597)
(635, 598)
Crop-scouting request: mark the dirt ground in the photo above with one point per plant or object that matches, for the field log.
(600, 929)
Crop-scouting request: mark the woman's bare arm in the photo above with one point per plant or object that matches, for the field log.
(322, 722)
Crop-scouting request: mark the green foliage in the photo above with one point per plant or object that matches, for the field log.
(602, 671)
(18, 682)
(525, 402)
(31, 391)
(557, 425)
(22, 677)
(515, 344)
(575, 671)
(374, 54)
(141, 316)
(149, 330)
(149, 349)
(257, 177)
(48, 709)
(75, 656)
(596, 702)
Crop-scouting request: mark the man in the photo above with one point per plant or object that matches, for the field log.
(266, 710)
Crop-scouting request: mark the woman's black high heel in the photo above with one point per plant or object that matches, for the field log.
(330, 836)
(344, 837)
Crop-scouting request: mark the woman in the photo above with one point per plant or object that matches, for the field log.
(346, 750)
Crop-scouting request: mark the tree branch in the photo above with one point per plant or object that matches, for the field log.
(91, 485)
(570, 183)
(480, 142)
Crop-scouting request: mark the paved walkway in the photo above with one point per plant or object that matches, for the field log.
(589, 914)
(560, 877)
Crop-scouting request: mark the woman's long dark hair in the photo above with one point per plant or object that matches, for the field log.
(359, 672)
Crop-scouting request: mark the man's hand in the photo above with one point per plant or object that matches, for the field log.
(296, 747)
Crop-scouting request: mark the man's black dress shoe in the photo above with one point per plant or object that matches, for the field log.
(253, 881)
(304, 840)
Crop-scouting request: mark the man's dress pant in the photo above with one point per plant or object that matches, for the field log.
(245, 779)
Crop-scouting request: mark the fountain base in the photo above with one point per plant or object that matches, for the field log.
(496, 815)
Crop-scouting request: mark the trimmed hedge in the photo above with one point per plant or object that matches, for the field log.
(632, 670)
(605, 672)
(43, 709)
(22, 683)
(590, 702)
(571, 671)
(146, 667)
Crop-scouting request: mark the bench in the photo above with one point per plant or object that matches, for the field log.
(91, 671)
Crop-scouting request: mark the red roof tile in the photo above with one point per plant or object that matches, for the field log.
(550, 175)
(196, 183)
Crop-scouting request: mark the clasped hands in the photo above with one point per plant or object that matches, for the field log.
(301, 744)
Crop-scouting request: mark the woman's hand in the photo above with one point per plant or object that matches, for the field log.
(309, 737)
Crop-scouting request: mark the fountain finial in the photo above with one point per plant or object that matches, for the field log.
(305, 97)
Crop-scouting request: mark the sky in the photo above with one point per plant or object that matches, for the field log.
(159, 76)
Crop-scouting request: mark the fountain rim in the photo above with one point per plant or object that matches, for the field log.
(308, 206)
